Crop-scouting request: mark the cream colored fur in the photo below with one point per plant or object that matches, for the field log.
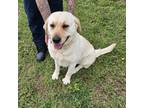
(76, 50)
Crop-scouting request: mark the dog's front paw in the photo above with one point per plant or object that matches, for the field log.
(66, 81)
(55, 76)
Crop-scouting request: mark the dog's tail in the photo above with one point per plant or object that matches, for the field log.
(108, 49)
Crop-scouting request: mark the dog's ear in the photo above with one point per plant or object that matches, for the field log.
(77, 22)
(45, 27)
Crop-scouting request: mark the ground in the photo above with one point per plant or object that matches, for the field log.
(100, 86)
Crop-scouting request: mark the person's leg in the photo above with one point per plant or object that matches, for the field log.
(36, 23)
(56, 5)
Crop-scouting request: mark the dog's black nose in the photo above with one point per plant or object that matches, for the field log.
(56, 39)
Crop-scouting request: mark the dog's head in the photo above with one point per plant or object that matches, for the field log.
(61, 28)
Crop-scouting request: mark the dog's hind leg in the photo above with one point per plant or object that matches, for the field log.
(108, 49)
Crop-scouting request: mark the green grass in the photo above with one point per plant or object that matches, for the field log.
(100, 86)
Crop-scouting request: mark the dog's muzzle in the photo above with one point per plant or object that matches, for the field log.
(57, 44)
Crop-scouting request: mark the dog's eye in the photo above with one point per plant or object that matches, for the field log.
(52, 25)
(65, 26)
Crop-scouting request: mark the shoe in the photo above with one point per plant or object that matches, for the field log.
(41, 51)
(41, 56)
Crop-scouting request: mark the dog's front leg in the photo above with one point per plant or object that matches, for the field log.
(56, 72)
(70, 72)
(68, 75)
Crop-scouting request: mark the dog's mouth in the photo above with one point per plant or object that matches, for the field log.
(60, 45)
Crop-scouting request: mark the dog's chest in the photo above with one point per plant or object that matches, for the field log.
(63, 62)
(63, 59)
